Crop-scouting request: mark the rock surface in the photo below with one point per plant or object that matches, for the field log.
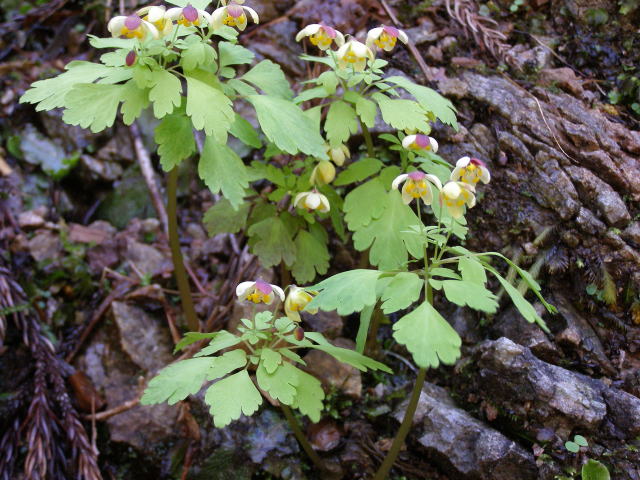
(463, 445)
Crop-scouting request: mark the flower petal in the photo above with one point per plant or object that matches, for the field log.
(398, 180)
(402, 36)
(434, 180)
(243, 287)
(278, 291)
(408, 141)
(253, 13)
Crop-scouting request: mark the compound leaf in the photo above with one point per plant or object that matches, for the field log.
(222, 169)
(402, 114)
(309, 396)
(474, 295)
(177, 381)
(210, 109)
(93, 105)
(273, 243)
(222, 218)
(222, 340)
(341, 123)
(165, 93)
(428, 336)
(281, 384)
(358, 171)
(362, 204)
(346, 292)
(403, 289)
(227, 363)
(314, 257)
(174, 136)
(269, 77)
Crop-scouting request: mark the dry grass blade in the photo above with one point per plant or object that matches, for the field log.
(482, 29)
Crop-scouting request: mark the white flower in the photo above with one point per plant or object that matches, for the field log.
(420, 142)
(321, 35)
(385, 37)
(312, 201)
(323, 173)
(455, 195)
(188, 16)
(296, 301)
(339, 154)
(233, 15)
(131, 27)
(156, 16)
(417, 185)
(470, 170)
(259, 292)
(355, 54)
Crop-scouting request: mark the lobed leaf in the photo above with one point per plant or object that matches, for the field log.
(231, 397)
(210, 109)
(403, 289)
(177, 381)
(346, 292)
(341, 123)
(174, 136)
(222, 218)
(315, 257)
(222, 169)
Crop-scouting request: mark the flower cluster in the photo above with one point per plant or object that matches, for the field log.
(157, 21)
(353, 53)
(457, 193)
(259, 291)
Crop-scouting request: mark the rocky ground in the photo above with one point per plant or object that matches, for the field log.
(95, 311)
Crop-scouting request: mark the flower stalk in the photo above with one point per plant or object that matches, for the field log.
(176, 253)
(302, 439)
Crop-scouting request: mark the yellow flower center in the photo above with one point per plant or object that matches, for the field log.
(470, 174)
(351, 57)
(132, 33)
(257, 297)
(320, 39)
(187, 23)
(385, 41)
(416, 189)
(234, 21)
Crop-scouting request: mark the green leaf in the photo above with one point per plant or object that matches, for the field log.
(271, 360)
(269, 77)
(193, 337)
(475, 296)
(286, 125)
(358, 171)
(210, 109)
(108, 42)
(221, 169)
(594, 470)
(244, 131)
(177, 381)
(231, 397)
(345, 355)
(429, 99)
(580, 440)
(134, 100)
(92, 105)
(521, 303)
(367, 111)
(227, 363)
(281, 384)
(233, 54)
(402, 114)
(341, 123)
(222, 218)
(346, 292)
(572, 447)
(428, 337)
(309, 396)
(472, 270)
(273, 242)
(310, 94)
(403, 289)
(314, 257)
(174, 136)
(197, 54)
(222, 340)
(166, 92)
(50, 93)
(389, 237)
(362, 204)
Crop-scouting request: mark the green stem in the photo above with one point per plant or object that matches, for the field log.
(372, 340)
(176, 254)
(407, 421)
(297, 431)
(367, 138)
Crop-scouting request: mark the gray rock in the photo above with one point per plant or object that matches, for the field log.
(462, 444)
(334, 373)
(330, 324)
(512, 325)
(93, 169)
(145, 258)
(45, 245)
(550, 396)
(631, 234)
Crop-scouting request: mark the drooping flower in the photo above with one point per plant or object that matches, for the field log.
(232, 13)
(420, 142)
(188, 16)
(155, 15)
(131, 26)
(417, 185)
(354, 54)
(339, 154)
(455, 195)
(385, 37)
(312, 201)
(471, 171)
(130, 59)
(297, 299)
(320, 35)
(323, 173)
(259, 292)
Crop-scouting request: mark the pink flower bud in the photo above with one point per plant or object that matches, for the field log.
(131, 58)
(299, 333)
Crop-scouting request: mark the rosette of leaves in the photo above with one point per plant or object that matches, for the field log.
(262, 357)
(191, 79)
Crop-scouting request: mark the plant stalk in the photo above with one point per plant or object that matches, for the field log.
(302, 439)
(367, 138)
(176, 254)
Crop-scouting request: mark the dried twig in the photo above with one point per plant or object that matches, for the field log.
(123, 407)
(483, 29)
